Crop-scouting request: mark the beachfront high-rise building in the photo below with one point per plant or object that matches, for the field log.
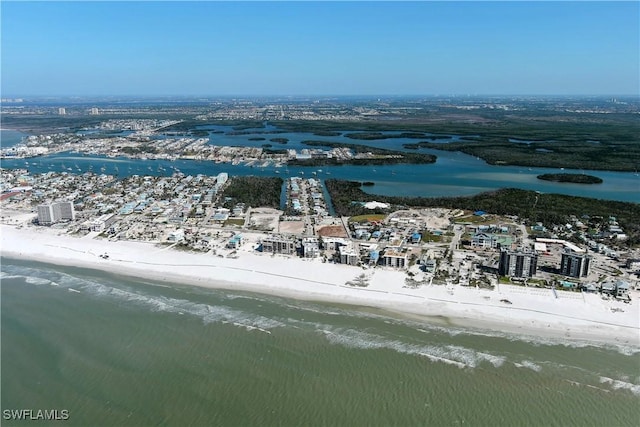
(574, 264)
(64, 211)
(310, 247)
(94, 111)
(393, 258)
(53, 212)
(45, 214)
(517, 263)
(279, 245)
(62, 111)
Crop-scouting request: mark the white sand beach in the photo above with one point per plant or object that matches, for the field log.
(531, 311)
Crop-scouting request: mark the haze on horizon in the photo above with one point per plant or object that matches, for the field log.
(319, 48)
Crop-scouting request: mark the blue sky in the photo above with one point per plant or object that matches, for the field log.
(309, 48)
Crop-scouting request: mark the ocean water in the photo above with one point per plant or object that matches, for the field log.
(119, 351)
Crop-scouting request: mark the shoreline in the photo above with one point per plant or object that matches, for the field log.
(532, 312)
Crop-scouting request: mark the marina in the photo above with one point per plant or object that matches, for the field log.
(453, 173)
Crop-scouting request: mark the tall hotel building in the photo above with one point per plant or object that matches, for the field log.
(518, 263)
(51, 213)
(574, 264)
(45, 214)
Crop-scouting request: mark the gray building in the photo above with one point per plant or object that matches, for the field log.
(348, 255)
(310, 247)
(64, 211)
(54, 212)
(45, 215)
(574, 264)
(518, 263)
(279, 245)
(392, 258)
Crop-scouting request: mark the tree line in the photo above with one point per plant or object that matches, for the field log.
(532, 206)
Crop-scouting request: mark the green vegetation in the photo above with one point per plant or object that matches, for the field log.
(475, 219)
(622, 156)
(279, 140)
(531, 137)
(327, 133)
(535, 207)
(368, 136)
(142, 149)
(427, 236)
(577, 178)
(274, 151)
(199, 133)
(253, 132)
(234, 221)
(368, 183)
(255, 190)
(540, 133)
(373, 136)
(546, 139)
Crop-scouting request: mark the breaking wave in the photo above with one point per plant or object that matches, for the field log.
(208, 313)
(529, 365)
(454, 355)
(620, 384)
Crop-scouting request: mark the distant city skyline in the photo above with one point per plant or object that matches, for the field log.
(319, 48)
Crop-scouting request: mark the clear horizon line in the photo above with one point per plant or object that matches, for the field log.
(434, 95)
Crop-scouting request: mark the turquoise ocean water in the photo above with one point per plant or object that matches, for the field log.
(119, 351)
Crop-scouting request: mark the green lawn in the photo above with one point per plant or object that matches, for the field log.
(234, 221)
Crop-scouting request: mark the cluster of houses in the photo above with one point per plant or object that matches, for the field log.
(305, 196)
(164, 208)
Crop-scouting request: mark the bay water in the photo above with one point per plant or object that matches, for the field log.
(9, 138)
(453, 173)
